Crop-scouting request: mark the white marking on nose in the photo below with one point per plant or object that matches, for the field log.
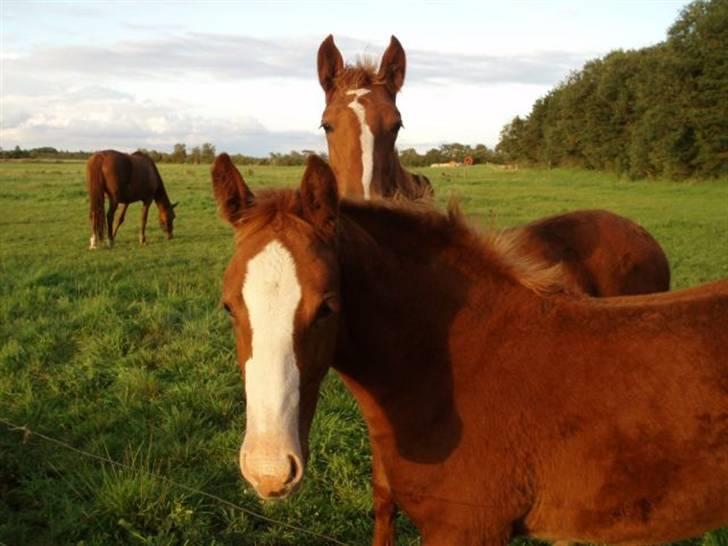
(366, 139)
(271, 292)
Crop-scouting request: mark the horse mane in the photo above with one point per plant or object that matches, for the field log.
(525, 268)
(503, 251)
(361, 74)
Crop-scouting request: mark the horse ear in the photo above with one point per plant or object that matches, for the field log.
(319, 196)
(393, 66)
(175, 204)
(232, 194)
(330, 63)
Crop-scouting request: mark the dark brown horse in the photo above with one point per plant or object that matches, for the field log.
(604, 254)
(500, 405)
(124, 178)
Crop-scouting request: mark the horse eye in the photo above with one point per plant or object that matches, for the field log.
(324, 310)
(397, 126)
(326, 127)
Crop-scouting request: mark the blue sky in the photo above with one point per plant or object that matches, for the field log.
(242, 75)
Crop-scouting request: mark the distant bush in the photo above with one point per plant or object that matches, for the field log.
(450, 152)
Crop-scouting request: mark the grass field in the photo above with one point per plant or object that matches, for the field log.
(126, 354)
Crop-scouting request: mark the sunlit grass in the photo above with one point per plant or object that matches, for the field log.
(126, 353)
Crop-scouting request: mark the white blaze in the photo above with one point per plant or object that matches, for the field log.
(366, 139)
(271, 292)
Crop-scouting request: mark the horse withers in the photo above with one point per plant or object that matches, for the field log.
(124, 179)
(499, 404)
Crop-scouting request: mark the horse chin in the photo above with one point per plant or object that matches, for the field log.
(284, 495)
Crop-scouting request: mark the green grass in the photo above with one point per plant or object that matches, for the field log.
(126, 354)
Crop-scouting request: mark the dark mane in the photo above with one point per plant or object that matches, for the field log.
(361, 74)
(419, 228)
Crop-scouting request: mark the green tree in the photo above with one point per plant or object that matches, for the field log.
(179, 153)
(207, 154)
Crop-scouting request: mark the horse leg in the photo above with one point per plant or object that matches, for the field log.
(120, 219)
(385, 509)
(96, 237)
(110, 222)
(145, 213)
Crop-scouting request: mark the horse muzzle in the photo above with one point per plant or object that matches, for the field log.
(273, 473)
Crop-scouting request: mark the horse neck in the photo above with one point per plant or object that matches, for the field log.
(393, 176)
(160, 197)
(393, 352)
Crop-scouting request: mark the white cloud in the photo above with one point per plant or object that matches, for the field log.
(88, 119)
(244, 58)
(247, 94)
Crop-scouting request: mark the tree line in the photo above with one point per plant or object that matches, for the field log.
(205, 154)
(660, 111)
(480, 153)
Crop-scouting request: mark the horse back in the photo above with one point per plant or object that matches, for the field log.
(130, 177)
(636, 389)
(604, 254)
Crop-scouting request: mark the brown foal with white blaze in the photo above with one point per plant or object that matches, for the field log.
(361, 121)
(124, 179)
(500, 404)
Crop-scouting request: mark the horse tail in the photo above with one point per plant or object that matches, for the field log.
(95, 186)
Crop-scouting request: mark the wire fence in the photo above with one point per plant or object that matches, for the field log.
(28, 434)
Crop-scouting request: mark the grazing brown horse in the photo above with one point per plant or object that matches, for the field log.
(124, 178)
(500, 404)
(362, 122)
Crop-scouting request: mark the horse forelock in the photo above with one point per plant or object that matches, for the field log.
(359, 75)
(275, 208)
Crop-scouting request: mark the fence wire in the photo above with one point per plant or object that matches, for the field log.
(28, 434)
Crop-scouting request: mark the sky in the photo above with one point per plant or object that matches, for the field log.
(90, 75)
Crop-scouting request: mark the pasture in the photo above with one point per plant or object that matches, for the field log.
(126, 354)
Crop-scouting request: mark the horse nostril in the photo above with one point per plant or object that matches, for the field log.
(295, 470)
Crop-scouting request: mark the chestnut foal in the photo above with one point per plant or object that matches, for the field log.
(361, 121)
(500, 405)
